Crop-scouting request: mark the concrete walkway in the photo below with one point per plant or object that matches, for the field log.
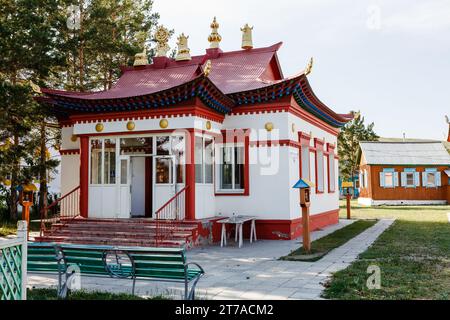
(252, 272)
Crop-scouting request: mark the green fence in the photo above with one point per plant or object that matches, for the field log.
(13, 265)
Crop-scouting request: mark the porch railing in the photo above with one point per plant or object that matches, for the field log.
(168, 216)
(65, 208)
(13, 265)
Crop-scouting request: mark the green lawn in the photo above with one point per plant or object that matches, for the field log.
(50, 294)
(323, 245)
(9, 228)
(413, 255)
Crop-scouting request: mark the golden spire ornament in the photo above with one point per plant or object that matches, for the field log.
(183, 49)
(162, 36)
(207, 68)
(247, 40)
(140, 59)
(309, 66)
(214, 38)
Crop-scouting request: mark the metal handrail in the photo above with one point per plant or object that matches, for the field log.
(74, 203)
(169, 226)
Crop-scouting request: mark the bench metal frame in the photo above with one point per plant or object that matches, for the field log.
(65, 275)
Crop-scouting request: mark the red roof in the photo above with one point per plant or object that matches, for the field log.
(236, 78)
(231, 72)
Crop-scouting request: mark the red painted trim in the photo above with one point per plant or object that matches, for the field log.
(193, 108)
(330, 151)
(271, 143)
(299, 112)
(69, 152)
(285, 105)
(286, 229)
(84, 176)
(304, 141)
(190, 175)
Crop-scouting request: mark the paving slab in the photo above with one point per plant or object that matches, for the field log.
(250, 272)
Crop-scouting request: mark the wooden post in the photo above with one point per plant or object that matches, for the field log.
(305, 232)
(349, 196)
(22, 234)
(26, 216)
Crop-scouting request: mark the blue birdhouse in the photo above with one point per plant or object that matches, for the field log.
(305, 189)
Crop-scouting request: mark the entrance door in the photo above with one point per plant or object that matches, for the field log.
(124, 188)
(164, 180)
(137, 188)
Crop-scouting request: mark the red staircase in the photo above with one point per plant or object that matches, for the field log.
(168, 229)
(121, 232)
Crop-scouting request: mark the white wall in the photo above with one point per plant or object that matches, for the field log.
(205, 201)
(269, 195)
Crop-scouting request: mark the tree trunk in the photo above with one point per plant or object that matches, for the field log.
(42, 170)
(81, 50)
(14, 183)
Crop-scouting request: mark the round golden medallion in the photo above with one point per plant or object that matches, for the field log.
(73, 138)
(163, 123)
(131, 125)
(99, 127)
(208, 125)
(269, 126)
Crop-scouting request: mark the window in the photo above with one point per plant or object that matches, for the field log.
(209, 160)
(204, 160)
(198, 159)
(178, 152)
(163, 145)
(305, 162)
(164, 170)
(232, 167)
(96, 161)
(331, 173)
(319, 176)
(431, 178)
(410, 178)
(103, 161)
(133, 146)
(123, 171)
(388, 178)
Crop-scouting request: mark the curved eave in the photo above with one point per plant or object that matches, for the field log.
(298, 87)
(201, 87)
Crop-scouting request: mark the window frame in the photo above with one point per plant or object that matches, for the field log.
(331, 164)
(318, 145)
(203, 163)
(246, 173)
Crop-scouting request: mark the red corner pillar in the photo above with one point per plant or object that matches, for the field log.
(84, 176)
(190, 175)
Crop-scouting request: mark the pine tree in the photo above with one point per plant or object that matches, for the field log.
(348, 144)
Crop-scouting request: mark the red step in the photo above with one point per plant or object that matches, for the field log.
(120, 232)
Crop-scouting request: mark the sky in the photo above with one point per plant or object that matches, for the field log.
(390, 59)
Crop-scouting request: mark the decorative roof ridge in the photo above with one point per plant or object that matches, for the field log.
(200, 59)
(338, 116)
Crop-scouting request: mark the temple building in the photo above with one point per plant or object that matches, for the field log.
(197, 138)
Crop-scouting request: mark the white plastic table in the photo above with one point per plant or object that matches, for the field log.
(239, 222)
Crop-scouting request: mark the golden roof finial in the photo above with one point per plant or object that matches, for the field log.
(247, 40)
(140, 59)
(309, 66)
(207, 68)
(162, 36)
(214, 38)
(35, 87)
(183, 49)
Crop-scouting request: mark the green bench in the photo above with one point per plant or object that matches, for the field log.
(157, 264)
